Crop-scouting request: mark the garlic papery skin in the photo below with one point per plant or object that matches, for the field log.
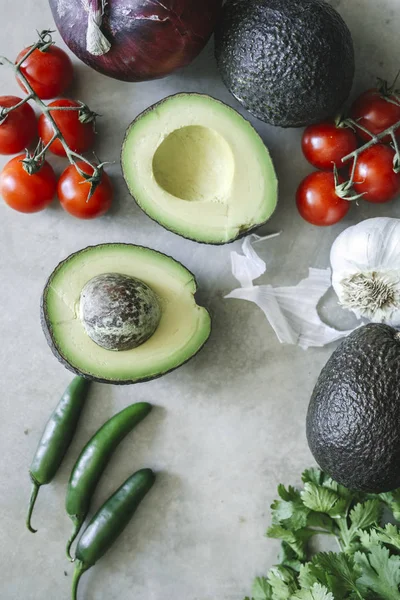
(365, 261)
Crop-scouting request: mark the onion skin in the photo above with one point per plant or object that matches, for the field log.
(149, 38)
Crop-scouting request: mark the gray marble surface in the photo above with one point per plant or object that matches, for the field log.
(228, 426)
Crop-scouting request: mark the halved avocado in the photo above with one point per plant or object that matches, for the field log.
(198, 168)
(106, 298)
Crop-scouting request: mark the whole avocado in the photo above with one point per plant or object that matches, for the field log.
(353, 420)
(289, 62)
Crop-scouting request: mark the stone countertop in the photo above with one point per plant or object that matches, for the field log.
(228, 426)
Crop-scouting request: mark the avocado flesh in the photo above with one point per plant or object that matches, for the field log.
(289, 62)
(353, 420)
(183, 329)
(198, 168)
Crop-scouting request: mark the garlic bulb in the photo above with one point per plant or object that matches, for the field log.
(365, 262)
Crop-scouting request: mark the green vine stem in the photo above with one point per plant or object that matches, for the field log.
(375, 139)
(345, 190)
(44, 43)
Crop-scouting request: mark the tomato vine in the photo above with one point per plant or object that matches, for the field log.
(33, 161)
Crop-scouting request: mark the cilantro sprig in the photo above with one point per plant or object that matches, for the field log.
(367, 565)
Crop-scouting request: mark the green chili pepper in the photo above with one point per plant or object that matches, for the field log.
(109, 522)
(94, 459)
(56, 438)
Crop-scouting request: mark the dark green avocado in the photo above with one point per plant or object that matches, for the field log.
(353, 420)
(289, 62)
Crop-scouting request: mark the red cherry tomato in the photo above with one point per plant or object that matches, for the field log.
(325, 143)
(49, 73)
(27, 193)
(73, 191)
(19, 127)
(374, 175)
(317, 201)
(375, 112)
(79, 136)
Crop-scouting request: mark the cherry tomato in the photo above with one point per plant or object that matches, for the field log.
(317, 201)
(325, 143)
(73, 192)
(374, 175)
(27, 193)
(19, 128)
(375, 112)
(79, 136)
(49, 73)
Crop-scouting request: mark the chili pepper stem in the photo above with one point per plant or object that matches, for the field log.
(34, 494)
(80, 568)
(77, 527)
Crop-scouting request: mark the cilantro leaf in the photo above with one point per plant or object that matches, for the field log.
(369, 538)
(331, 484)
(365, 514)
(339, 509)
(316, 592)
(290, 514)
(289, 558)
(392, 500)
(288, 494)
(282, 510)
(280, 533)
(318, 498)
(341, 572)
(312, 475)
(368, 568)
(380, 572)
(320, 521)
(283, 582)
(389, 535)
(306, 576)
(336, 572)
(261, 589)
(297, 540)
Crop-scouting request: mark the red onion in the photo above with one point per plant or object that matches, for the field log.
(136, 40)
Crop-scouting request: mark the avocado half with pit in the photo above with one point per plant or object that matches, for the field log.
(119, 313)
(198, 168)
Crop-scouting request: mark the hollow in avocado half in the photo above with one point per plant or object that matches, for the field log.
(119, 313)
(198, 168)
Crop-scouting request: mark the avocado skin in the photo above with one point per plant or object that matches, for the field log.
(48, 333)
(353, 420)
(289, 62)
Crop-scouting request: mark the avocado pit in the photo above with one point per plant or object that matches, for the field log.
(118, 312)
